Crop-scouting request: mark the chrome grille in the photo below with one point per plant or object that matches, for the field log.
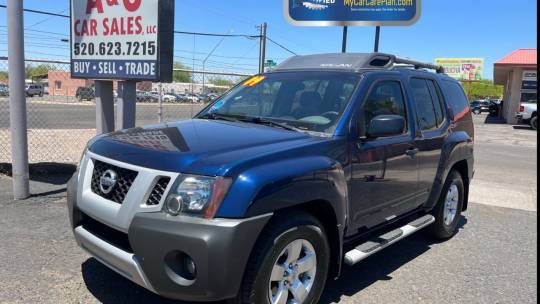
(125, 180)
(158, 191)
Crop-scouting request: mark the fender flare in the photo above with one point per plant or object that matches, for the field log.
(457, 147)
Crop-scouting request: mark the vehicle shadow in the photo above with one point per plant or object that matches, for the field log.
(522, 127)
(108, 287)
(49, 173)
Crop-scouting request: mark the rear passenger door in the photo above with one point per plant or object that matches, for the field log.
(432, 122)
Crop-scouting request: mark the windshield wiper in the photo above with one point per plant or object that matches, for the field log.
(214, 116)
(264, 121)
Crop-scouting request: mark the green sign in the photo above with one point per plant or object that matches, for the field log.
(270, 64)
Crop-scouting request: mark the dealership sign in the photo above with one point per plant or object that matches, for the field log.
(465, 69)
(352, 12)
(122, 39)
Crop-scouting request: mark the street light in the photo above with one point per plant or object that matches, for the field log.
(210, 55)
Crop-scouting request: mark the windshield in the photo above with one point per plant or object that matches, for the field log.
(307, 101)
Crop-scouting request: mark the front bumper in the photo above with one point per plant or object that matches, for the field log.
(220, 249)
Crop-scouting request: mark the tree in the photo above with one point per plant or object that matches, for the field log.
(39, 71)
(4, 76)
(221, 82)
(482, 89)
(182, 76)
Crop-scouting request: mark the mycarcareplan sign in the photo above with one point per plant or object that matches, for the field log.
(352, 12)
(122, 39)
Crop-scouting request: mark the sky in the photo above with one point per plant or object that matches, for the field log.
(461, 28)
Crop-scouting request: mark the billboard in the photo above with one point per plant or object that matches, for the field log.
(122, 39)
(352, 12)
(466, 69)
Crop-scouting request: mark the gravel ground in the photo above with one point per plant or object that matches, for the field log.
(493, 258)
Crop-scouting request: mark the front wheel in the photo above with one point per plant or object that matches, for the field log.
(289, 264)
(447, 212)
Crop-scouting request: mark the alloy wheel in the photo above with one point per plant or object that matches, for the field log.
(293, 274)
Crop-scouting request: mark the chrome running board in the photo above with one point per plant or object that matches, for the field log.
(379, 243)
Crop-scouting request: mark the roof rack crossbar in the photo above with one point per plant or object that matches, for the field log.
(420, 65)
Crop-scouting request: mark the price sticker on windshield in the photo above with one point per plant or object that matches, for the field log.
(122, 39)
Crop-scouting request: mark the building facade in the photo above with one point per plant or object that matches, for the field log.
(517, 72)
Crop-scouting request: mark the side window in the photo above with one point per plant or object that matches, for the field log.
(423, 102)
(438, 104)
(456, 97)
(386, 98)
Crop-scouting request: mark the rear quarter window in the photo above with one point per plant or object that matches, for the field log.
(455, 96)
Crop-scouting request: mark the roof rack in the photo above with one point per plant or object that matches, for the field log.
(352, 62)
(419, 65)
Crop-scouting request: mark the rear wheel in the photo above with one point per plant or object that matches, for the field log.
(534, 123)
(447, 213)
(289, 264)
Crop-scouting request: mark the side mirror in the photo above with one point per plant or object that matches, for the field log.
(386, 125)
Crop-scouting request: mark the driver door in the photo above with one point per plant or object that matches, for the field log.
(384, 177)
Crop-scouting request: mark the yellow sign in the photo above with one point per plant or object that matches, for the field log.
(467, 69)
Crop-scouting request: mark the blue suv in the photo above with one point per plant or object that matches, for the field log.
(269, 190)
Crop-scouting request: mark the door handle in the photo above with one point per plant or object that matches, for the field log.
(412, 152)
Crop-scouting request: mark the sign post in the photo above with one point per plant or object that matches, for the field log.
(127, 41)
(352, 13)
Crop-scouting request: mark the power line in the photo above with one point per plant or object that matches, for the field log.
(281, 46)
(217, 35)
(40, 12)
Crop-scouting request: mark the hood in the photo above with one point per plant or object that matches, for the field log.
(204, 147)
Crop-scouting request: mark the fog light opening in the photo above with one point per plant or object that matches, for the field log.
(181, 268)
(174, 205)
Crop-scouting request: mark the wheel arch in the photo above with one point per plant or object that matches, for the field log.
(462, 167)
(323, 211)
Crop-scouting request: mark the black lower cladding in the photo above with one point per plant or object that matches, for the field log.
(106, 233)
(219, 248)
(125, 179)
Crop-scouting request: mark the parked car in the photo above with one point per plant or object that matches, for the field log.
(34, 89)
(164, 97)
(4, 90)
(528, 113)
(178, 97)
(212, 96)
(143, 96)
(480, 106)
(85, 93)
(192, 98)
(268, 192)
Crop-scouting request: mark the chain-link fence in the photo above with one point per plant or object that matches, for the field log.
(61, 110)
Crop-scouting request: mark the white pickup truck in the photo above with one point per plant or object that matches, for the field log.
(527, 114)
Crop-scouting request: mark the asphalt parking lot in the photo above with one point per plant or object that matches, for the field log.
(493, 258)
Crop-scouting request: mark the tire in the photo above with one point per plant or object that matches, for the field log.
(477, 112)
(297, 230)
(534, 123)
(446, 221)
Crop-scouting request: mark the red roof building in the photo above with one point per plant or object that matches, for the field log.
(517, 72)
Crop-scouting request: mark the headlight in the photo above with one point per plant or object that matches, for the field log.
(197, 195)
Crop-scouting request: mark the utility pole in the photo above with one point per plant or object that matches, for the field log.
(17, 100)
(344, 43)
(262, 51)
(377, 38)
